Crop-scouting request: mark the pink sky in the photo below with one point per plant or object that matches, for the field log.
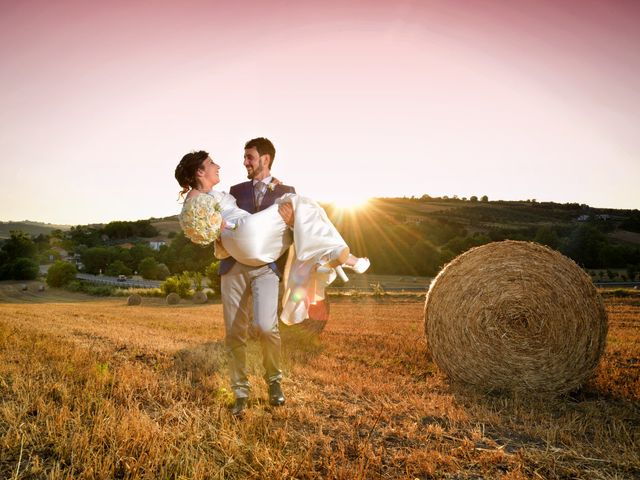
(512, 99)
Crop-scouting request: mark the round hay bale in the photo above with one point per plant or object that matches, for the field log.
(515, 316)
(199, 298)
(41, 287)
(173, 299)
(134, 299)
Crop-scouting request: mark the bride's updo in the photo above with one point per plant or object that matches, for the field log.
(187, 168)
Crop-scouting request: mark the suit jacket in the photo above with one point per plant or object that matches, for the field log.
(243, 193)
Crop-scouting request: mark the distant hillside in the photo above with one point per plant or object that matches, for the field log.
(32, 228)
(166, 225)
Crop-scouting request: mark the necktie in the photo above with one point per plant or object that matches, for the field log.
(258, 192)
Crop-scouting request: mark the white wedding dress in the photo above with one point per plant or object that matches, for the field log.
(263, 237)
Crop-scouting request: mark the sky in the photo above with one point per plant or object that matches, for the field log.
(527, 99)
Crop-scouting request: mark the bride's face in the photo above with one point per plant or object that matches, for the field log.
(209, 173)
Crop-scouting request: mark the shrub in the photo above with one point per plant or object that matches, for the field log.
(179, 284)
(143, 292)
(61, 274)
(98, 290)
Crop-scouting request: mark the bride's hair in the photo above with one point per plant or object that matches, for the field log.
(187, 168)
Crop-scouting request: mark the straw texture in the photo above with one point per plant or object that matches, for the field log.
(134, 299)
(199, 298)
(515, 316)
(173, 298)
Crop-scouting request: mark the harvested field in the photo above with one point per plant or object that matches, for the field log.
(97, 389)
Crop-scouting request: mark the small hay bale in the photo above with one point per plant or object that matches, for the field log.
(199, 298)
(134, 299)
(173, 299)
(515, 316)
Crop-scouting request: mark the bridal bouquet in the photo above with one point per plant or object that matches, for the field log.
(200, 219)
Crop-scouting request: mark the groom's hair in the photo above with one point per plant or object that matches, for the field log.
(263, 146)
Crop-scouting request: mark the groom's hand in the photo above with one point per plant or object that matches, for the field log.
(286, 212)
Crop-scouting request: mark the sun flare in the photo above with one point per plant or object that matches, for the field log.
(350, 202)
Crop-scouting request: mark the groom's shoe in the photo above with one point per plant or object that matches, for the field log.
(276, 397)
(239, 407)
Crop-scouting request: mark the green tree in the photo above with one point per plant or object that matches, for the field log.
(183, 255)
(162, 272)
(21, 269)
(96, 259)
(19, 245)
(83, 235)
(18, 257)
(211, 272)
(138, 253)
(547, 236)
(148, 268)
(118, 268)
(61, 274)
(426, 258)
(584, 245)
(632, 271)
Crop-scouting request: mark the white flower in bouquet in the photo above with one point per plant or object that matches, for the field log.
(200, 219)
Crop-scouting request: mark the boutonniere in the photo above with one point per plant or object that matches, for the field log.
(272, 186)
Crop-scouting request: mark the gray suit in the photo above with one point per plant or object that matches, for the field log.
(239, 283)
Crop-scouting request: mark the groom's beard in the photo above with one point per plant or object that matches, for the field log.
(252, 173)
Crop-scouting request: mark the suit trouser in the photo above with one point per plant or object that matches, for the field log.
(238, 286)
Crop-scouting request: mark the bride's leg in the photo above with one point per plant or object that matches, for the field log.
(358, 264)
(338, 257)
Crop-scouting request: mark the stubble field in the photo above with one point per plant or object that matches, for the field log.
(96, 389)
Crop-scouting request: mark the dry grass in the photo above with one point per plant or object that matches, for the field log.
(102, 390)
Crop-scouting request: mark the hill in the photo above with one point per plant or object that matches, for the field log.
(32, 228)
(403, 236)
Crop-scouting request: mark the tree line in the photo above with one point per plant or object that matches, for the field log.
(396, 242)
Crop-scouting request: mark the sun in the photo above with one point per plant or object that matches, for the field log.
(350, 202)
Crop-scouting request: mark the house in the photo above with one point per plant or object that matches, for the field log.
(156, 244)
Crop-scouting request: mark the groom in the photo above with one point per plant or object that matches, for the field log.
(240, 283)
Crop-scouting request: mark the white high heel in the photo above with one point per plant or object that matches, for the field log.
(341, 274)
(361, 265)
(339, 271)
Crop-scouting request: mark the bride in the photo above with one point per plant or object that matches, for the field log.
(260, 238)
